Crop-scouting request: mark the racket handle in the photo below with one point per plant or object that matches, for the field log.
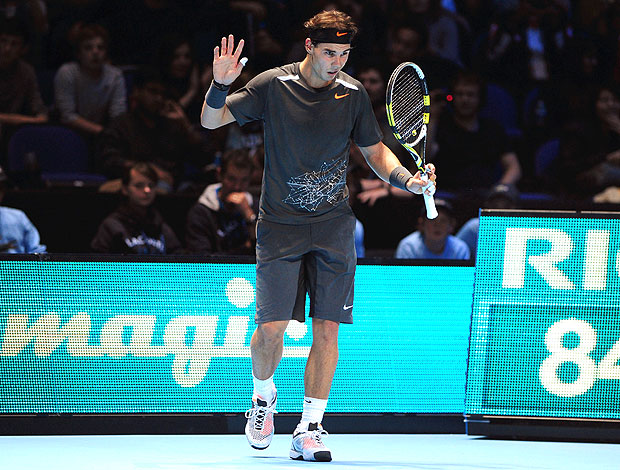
(431, 210)
(429, 201)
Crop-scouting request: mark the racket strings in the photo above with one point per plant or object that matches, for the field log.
(408, 108)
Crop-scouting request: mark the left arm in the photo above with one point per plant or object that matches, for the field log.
(383, 162)
(511, 168)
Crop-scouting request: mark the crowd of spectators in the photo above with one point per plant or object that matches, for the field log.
(509, 80)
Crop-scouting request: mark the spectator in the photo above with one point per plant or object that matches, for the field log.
(409, 42)
(136, 226)
(89, 93)
(434, 239)
(224, 218)
(501, 196)
(473, 152)
(20, 100)
(589, 158)
(443, 27)
(182, 75)
(33, 15)
(155, 130)
(17, 233)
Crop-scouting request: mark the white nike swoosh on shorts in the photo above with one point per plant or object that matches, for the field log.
(347, 307)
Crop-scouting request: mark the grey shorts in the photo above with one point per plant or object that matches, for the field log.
(316, 258)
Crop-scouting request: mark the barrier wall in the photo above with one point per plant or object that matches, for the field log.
(545, 339)
(147, 335)
(153, 335)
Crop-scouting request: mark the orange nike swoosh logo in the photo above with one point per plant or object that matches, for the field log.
(337, 96)
(338, 33)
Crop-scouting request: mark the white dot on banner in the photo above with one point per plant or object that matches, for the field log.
(296, 330)
(240, 292)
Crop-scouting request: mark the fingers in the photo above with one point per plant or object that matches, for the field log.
(227, 47)
(239, 49)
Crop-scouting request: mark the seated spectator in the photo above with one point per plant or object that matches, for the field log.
(409, 41)
(589, 157)
(17, 233)
(32, 14)
(501, 196)
(181, 74)
(20, 99)
(136, 226)
(90, 92)
(434, 239)
(155, 130)
(224, 218)
(472, 153)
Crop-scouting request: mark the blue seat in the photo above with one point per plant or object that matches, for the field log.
(501, 106)
(60, 153)
(545, 155)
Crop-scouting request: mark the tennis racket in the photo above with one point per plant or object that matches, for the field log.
(408, 110)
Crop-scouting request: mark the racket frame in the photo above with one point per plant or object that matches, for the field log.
(420, 134)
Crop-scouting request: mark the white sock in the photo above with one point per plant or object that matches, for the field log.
(314, 408)
(265, 389)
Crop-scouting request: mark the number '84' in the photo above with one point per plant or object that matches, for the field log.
(589, 371)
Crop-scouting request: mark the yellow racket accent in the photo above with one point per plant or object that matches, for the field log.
(389, 114)
(427, 100)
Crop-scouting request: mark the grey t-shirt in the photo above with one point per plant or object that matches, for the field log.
(307, 140)
(98, 100)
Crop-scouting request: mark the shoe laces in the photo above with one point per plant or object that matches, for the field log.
(259, 413)
(316, 435)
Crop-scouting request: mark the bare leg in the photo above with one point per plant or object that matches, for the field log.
(322, 360)
(266, 348)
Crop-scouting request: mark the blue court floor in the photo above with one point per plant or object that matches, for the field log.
(350, 451)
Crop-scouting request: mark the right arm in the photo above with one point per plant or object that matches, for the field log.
(226, 69)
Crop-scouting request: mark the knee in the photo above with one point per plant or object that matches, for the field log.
(325, 332)
(271, 333)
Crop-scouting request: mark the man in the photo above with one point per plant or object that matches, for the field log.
(434, 239)
(305, 232)
(223, 219)
(474, 153)
(20, 99)
(136, 226)
(90, 92)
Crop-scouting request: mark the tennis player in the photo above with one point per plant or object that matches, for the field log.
(305, 233)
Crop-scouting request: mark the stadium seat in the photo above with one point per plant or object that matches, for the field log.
(501, 106)
(59, 153)
(545, 155)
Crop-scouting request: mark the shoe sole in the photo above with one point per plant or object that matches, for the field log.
(253, 446)
(258, 448)
(322, 456)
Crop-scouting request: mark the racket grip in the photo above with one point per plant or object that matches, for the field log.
(431, 210)
(429, 200)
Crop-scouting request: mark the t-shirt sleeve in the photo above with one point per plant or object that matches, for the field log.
(366, 131)
(64, 93)
(248, 103)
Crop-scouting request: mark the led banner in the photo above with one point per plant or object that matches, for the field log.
(545, 337)
(141, 337)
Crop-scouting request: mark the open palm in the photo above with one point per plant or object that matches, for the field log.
(226, 66)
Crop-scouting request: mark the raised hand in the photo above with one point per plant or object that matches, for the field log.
(226, 65)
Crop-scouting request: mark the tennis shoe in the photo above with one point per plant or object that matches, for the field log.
(259, 428)
(308, 444)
